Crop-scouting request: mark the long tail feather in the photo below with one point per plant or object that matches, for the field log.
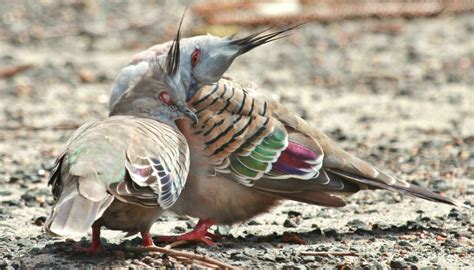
(403, 187)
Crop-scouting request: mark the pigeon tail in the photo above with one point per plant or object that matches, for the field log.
(73, 214)
(402, 187)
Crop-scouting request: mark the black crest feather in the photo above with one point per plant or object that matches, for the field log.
(254, 40)
(172, 59)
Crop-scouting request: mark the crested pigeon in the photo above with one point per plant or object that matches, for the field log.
(123, 171)
(208, 57)
(248, 152)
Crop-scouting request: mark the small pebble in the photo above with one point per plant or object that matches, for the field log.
(411, 259)
(5, 193)
(253, 223)
(289, 224)
(40, 221)
(404, 243)
(398, 264)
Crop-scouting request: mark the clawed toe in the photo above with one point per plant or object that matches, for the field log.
(199, 234)
(93, 249)
(213, 236)
(207, 241)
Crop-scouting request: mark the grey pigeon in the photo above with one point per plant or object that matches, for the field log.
(123, 171)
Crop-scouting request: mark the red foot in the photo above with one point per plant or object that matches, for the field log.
(95, 245)
(93, 249)
(199, 234)
(147, 240)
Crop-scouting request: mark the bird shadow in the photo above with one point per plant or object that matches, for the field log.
(317, 236)
(109, 254)
(127, 249)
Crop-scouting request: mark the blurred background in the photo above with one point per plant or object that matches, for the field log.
(391, 81)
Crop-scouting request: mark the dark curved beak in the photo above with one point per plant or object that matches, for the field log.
(188, 113)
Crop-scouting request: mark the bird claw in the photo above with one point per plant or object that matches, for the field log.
(206, 238)
(199, 234)
(92, 249)
(208, 242)
(213, 236)
(95, 246)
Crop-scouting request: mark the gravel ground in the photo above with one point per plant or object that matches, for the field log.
(396, 92)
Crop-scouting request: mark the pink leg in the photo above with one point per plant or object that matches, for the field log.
(95, 244)
(199, 233)
(147, 240)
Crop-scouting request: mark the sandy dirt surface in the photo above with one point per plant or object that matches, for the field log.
(396, 92)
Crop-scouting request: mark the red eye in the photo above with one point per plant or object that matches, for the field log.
(165, 98)
(195, 57)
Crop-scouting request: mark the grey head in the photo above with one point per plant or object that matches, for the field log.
(204, 59)
(158, 93)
